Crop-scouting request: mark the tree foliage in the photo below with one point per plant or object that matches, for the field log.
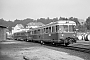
(88, 23)
(24, 22)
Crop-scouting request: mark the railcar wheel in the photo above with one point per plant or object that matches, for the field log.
(27, 40)
(53, 43)
(71, 41)
(42, 42)
(74, 40)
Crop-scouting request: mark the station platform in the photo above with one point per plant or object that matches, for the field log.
(81, 44)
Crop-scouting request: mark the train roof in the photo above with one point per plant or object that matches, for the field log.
(61, 22)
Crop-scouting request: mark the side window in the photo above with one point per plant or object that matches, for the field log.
(41, 31)
(49, 28)
(57, 28)
(61, 28)
(28, 33)
(44, 30)
(71, 28)
(65, 28)
(21, 34)
(31, 32)
(34, 31)
(17, 33)
(53, 28)
(38, 31)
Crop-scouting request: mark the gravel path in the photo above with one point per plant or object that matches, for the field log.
(39, 53)
(33, 51)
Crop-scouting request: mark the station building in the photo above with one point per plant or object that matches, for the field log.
(2, 33)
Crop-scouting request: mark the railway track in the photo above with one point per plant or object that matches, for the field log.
(80, 49)
(86, 50)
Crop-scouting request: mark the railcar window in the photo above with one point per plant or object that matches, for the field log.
(65, 28)
(30, 32)
(15, 34)
(71, 28)
(44, 30)
(18, 34)
(57, 28)
(61, 28)
(47, 30)
(41, 31)
(34, 31)
(25, 34)
(21, 33)
(38, 31)
(53, 28)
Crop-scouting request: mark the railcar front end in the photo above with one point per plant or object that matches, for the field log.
(67, 33)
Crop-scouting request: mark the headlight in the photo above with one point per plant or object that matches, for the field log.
(62, 34)
(73, 34)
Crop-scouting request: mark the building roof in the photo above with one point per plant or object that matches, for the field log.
(35, 24)
(2, 26)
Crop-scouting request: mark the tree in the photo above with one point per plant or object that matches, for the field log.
(55, 19)
(88, 23)
(75, 20)
(63, 18)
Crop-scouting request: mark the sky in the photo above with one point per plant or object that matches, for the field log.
(22, 9)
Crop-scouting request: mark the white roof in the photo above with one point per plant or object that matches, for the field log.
(62, 22)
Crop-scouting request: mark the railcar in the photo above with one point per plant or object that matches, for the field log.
(59, 32)
(21, 36)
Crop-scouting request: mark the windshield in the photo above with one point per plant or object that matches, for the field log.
(63, 28)
(71, 28)
(67, 28)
